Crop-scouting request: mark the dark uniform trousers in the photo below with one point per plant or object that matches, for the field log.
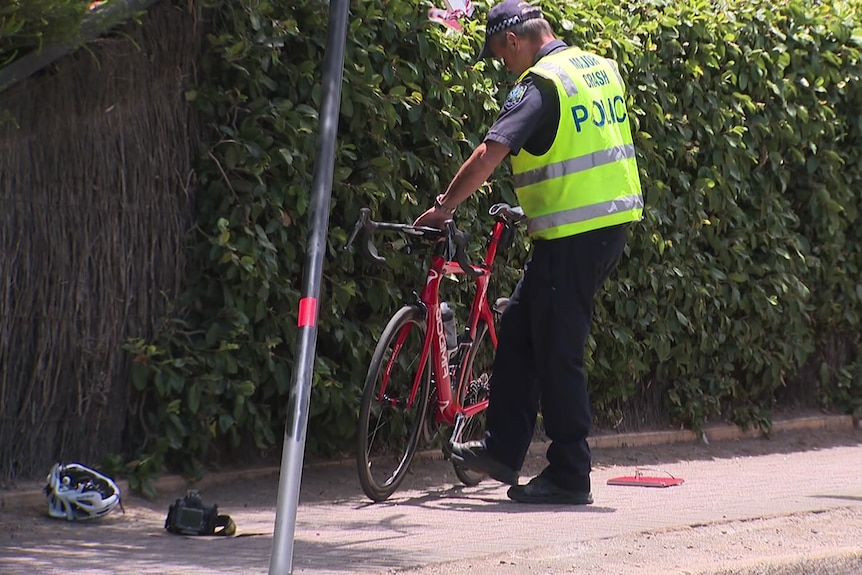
(540, 354)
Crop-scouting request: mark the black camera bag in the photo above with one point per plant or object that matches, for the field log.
(189, 516)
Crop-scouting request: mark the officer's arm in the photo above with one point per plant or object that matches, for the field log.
(474, 172)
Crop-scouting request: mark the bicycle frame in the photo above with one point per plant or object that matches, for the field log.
(434, 348)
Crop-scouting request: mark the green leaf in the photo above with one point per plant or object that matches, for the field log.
(194, 398)
(246, 389)
(282, 377)
(139, 376)
(225, 422)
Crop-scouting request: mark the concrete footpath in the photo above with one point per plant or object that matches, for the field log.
(787, 505)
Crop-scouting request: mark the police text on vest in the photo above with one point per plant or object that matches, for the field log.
(604, 112)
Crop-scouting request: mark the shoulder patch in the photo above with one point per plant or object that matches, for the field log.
(515, 95)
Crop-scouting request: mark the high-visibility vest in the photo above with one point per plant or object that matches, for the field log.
(588, 179)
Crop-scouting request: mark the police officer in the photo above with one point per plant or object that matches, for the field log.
(565, 127)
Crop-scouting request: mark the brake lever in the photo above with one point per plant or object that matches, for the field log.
(460, 240)
(364, 215)
(365, 226)
(451, 231)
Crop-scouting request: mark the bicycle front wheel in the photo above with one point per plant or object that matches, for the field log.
(474, 387)
(394, 403)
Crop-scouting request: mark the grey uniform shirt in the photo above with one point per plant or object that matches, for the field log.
(531, 113)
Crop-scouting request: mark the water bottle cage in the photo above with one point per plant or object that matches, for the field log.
(448, 317)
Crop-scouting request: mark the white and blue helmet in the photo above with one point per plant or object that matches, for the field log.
(78, 493)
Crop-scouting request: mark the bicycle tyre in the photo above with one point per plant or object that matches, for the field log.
(478, 363)
(390, 429)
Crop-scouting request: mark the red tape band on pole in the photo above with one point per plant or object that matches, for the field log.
(307, 311)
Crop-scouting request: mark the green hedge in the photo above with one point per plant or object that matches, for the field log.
(743, 277)
(27, 27)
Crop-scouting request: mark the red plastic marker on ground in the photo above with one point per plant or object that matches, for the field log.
(641, 480)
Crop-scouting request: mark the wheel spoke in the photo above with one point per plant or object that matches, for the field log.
(389, 427)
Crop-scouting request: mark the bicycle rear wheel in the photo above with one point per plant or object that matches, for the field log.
(473, 388)
(394, 403)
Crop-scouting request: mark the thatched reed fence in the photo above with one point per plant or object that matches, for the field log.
(95, 201)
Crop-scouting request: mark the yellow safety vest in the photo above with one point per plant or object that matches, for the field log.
(588, 179)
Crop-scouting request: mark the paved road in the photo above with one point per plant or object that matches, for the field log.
(790, 505)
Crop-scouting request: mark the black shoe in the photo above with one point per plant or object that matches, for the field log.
(474, 455)
(540, 490)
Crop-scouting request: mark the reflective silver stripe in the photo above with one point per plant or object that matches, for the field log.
(579, 164)
(567, 81)
(617, 72)
(585, 213)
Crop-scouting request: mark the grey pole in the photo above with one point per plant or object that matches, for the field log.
(281, 561)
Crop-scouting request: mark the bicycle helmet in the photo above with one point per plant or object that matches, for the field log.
(78, 493)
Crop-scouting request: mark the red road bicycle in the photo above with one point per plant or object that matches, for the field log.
(413, 375)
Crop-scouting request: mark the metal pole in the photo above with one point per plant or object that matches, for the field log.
(281, 561)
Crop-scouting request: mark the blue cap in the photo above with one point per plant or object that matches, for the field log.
(504, 15)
